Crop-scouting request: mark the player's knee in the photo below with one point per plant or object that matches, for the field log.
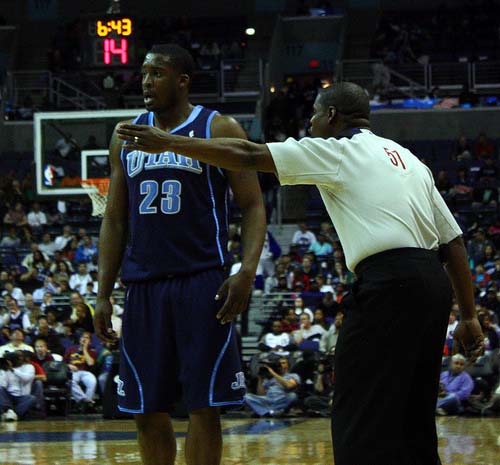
(152, 422)
(207, 414)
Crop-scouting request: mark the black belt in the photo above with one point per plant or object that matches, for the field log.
(381, 257)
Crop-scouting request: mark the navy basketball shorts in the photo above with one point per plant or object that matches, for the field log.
(174, 347)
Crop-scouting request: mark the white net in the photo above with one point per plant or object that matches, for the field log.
(97, 190)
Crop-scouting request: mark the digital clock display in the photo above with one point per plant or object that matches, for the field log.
(122, 27)
(112, 40)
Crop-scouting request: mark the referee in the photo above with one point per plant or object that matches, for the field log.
(397, 233)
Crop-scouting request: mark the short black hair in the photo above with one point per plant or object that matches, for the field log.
(179, 57)
(349, 99)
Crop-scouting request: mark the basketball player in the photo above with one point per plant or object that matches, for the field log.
(391, 222)
(174, 210)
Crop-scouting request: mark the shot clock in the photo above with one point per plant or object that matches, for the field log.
(110, 42)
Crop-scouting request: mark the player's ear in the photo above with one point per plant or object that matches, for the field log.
(184, 81)
(332, 112)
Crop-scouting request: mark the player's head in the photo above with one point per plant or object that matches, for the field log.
(340, 106)
(167, 71)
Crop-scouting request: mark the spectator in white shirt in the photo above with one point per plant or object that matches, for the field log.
(11, 239)
(29, 260)
(300, 308)
(15, 318)
(303, 237)
(63, 240)
(16, 343)
(48, 246)
(37, 218)
(275, 341)
(78, 281)
(48, 287)
(307, 331)
(15, 292)
(15, 387)
(452, 324)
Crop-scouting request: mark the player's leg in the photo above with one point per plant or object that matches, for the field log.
(147, 384)
(204, 438)
(156, 438)
(210, 371)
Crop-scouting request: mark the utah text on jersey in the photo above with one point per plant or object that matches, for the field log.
(138, 161)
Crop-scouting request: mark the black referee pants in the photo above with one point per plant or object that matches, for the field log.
(388, 361)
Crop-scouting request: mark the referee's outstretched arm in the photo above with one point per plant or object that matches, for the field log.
(468, 336)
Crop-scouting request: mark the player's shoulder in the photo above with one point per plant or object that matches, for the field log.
(226, 126)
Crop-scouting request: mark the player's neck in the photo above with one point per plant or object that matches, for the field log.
(173, 116)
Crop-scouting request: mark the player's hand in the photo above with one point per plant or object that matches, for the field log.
(102, 320)
(237, 290)
(148, 139)
(468, 339)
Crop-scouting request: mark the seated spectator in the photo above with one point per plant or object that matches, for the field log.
(90, 292)
(16, 379)
(301, 308)
(16, 216)
(49, 287)
(85, 251)
(16, 343)
(321, 248)
(477, 245)
(37, 385)
(452, 325)
(42, 353)
(491, 339)
(78, 281)
(14, 292)
(75, 299)
(37, 218)
(480, 277)
(462, 150)
(340, 292)
(319, 285)
(307, 332)
(47, 246)
(32, 309)
(328, 341)
(320, 401)
(329, 305)
(80, 359)
(290, 322)
(274, 391)
(455, 387)
(11, 239)
(84, 319)
(483, 148)
(47, 301)
(35, 259)
(276, 341)
(52, 322)
(341, 274)
(56, 268)
(303, 237)
(15, 318)
(64, 239)
(319, 319)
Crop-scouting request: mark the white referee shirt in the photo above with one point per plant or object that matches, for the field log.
(377, 193)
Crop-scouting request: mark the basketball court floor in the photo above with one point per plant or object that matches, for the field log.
(305, 441)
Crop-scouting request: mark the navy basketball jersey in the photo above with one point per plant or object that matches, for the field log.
(178, 208)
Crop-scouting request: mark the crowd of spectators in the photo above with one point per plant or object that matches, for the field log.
(468, 30)
(48, 283)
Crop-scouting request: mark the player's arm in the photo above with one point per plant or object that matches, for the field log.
(248, 196)
(468, 336)
(225, 151)
(112, 241)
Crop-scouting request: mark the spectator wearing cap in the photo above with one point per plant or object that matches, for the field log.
(16, 343)
(456, 386)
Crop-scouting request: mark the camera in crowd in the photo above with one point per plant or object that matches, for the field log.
(263, 372)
